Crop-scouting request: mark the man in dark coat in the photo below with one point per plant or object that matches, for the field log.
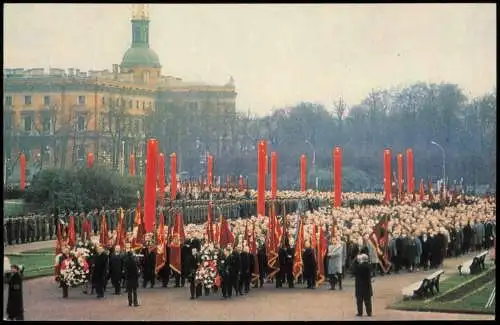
(262, 258)
(149, 266)
(164, 272)
(181, 278)
(281, 275)
(246, 271)
(99, 273)
(468, 233)
(15, 307)
(236, 269)
(132, 278)
(426, 251)
(225, 273)
(190, 266)
(289, 255)
(310, 266)
(363, 284)
(116, 269)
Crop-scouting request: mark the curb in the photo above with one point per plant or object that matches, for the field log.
(445, 311)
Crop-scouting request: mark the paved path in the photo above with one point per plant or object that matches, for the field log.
(14, 249)
(43, 301)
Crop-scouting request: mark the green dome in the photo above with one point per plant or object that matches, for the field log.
(140, 57)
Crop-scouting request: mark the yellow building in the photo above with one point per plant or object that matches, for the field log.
(61, 115)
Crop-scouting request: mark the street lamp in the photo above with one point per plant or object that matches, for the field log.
(444, 164)
(123, 158)
(313, 163)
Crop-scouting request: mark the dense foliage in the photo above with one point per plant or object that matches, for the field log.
(82, 189)
(408, 117)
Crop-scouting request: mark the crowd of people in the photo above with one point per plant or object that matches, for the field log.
(314, 245)
(418, 238)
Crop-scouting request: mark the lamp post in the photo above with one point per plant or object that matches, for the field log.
(123, 158)
(444, 164)
(313, 163)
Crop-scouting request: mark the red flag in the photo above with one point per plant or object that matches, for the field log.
(161, 252)
(314, 240)
(139, 230)
(121, 233)
(380, 238)
(71, 232)
(86, 230)
(217, 233)
(176, 243)
(272, 245)
(321, 252)
(299, 247)
(210, 223)
(421, 190)
(59, 243)
(253, 251)
(226, 236)
(103, 231)
(22, 164)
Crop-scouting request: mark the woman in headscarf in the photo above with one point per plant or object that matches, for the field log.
(15, 307)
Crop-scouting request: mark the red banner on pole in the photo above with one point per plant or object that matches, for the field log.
(303, 173)
(90, 159)
(131, 165)
(337, 170)
(410, 177)
(173, 176)
(210, 170)
(387, 175)
(261, 179)
(161, 176)
(22, 165)
(150, 185)
(400, 174)
(274, 175)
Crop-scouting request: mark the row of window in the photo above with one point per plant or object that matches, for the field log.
(28, 100)
(81, 100)
(129, 125)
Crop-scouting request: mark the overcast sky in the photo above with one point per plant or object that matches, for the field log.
(277, 54)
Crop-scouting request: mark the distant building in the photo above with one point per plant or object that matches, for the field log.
(57, 116)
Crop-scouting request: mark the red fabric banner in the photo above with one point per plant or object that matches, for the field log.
(150, 185)
(131, 165)
(303, 173)
(387, 175)
(337, 170)
(90, 159)
(261, 179)
(274, 175)
(410, 177)
(173, 176)
(161, 177)
(176, 243)
(22, 165)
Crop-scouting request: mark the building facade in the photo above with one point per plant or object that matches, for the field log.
(56, 117)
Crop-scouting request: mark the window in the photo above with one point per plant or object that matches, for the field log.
(46, 100)
(137, 104)
(28, 123)
(81, 100)
(143, 105)
(80, 122)
(8, 100)
(46, 123)
(27, 100)
(137, 126)
(103, 101)
(104, 121)
(80, 151)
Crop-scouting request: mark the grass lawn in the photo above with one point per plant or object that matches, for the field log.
(471, 302)
(36, 263)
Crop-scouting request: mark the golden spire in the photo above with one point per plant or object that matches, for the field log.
(140, 11)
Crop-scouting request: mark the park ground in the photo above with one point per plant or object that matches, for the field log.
(42, 301)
